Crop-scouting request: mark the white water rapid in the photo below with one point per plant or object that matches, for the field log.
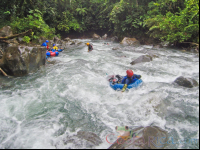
(43, 108)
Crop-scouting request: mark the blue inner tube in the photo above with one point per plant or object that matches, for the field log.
(57, 53)
(48, 54)
(136, 84)
(60, 50)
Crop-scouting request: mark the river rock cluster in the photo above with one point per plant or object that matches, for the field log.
(151, 137)
(18, 59)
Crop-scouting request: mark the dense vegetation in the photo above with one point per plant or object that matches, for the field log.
(175, 21)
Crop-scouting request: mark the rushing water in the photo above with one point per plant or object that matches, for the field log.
(41, 109)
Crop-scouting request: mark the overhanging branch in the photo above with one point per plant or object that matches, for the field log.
(16, 35)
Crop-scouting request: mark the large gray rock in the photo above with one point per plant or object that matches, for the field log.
(84, 140)
(3, 47)
(104, 37)
(165, 44)
(89, 136)
(21, 60)
(141, 59)
(144, 138)
(56, 40)
(96, 36)
(41, 40)
(116, 48)
(130, 41)
(158, 46)
(67, 39)
(115, 39)
(186, 82)
(72, 43)
(6, 31)
(153, 55)
(65, 44)
(20, 40)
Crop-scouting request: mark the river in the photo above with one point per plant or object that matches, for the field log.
(41, 109)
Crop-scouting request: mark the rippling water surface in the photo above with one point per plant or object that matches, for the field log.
(41, 109)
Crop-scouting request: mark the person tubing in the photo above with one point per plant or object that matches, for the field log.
(130, 78)
(90, 47)
(55, 47)
(129, 73)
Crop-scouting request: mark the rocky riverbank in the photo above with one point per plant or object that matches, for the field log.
(18, 58)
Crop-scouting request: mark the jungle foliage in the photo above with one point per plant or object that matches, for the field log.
(175, 21)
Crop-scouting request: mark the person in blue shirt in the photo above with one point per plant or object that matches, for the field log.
(130, 78)
(46, 44)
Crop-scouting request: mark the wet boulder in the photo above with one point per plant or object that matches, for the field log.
(6, 31)
(96, 36)
(21, 60)
(115, 39)
(157, 46)
(66, 44)
(141, 59)
(186, 82)
(2, 48)
(20, 40)
(67, 39)
(130, 41)
(89, 136)
(57, 40)
(13, 42)
(165, 44)
(40, 40)
(143, 138)
(79, 43)
(73, 43)
(104, 37)
(153, 55)
(82, 139)
(116, 48)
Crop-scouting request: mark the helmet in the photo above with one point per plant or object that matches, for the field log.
(54, 44)
(129, 73)
(47, 41)
(88, 44)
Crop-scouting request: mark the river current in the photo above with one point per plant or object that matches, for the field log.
(73, 94)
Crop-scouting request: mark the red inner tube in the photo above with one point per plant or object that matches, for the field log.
(53, 54)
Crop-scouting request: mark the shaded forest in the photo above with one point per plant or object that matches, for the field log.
(175, 21)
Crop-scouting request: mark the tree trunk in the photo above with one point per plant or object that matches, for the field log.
(16, 35)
